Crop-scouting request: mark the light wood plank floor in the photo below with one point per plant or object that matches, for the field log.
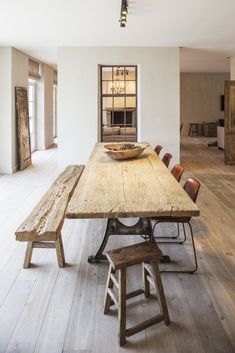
(49, 310)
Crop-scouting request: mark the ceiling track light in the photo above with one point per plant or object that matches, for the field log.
(123, 15)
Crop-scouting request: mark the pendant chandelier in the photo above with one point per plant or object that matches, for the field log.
(118, 85)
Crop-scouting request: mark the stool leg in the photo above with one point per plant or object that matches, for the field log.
(122, 306)
(159, 288)
(189, 132)
(109, 284)
(145, 282)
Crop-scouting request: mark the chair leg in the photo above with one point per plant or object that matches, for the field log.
(182, 242)
(109, 284)
(145, 282)
(178, 231)
(60, 251)
(175, 237)
(194, 253)
(194, 249)
(122, 306)
(28, 254)
(160, 292)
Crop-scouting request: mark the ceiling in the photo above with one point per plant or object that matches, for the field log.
(204, 26)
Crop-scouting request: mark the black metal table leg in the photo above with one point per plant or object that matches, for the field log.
(99, 255)
(115, 227)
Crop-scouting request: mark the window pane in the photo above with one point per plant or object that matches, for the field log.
(119, 102)
(31, 108)
(118, 87)
(31, 125)
(30, 93)
(131, 102)
(107, 87)
(130, 74)
(107, 103)
(119, 73)
(130, 87)
(104, 118)
(32, 141)
(107, 73)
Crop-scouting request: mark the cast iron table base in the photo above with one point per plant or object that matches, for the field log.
(114, 227)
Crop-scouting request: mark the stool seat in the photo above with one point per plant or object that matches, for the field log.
(133, 254)
(119, 259)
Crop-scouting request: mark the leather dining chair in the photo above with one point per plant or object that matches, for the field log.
(177, 171)
(166, 159)
(158, 149)
(192, 187)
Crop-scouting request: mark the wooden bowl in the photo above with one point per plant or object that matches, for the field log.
(115, 152)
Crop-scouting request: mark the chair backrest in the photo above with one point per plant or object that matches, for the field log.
(177, 171)
(192, 187)
(166, 159)
(157, 149)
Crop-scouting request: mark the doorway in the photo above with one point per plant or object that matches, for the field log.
(118, 103)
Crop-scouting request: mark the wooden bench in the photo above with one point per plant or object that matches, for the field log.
(42, 228)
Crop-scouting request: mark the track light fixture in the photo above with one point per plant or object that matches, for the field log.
(123, 15)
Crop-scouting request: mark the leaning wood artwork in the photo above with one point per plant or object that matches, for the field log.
(22, 122)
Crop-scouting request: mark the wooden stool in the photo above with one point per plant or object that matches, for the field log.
(194, 128)
(119, 260)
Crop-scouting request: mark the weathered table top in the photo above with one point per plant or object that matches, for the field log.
(141, 187)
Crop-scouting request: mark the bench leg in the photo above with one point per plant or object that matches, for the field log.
(28, 254)
(60, 251)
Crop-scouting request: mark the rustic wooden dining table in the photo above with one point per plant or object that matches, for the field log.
(142, 187)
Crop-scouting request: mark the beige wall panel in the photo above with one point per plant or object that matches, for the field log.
(200, 97)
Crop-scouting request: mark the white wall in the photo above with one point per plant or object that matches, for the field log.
(200, 97)
(232, 68)
(13, 72)
(5, 111)
(158, 97)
